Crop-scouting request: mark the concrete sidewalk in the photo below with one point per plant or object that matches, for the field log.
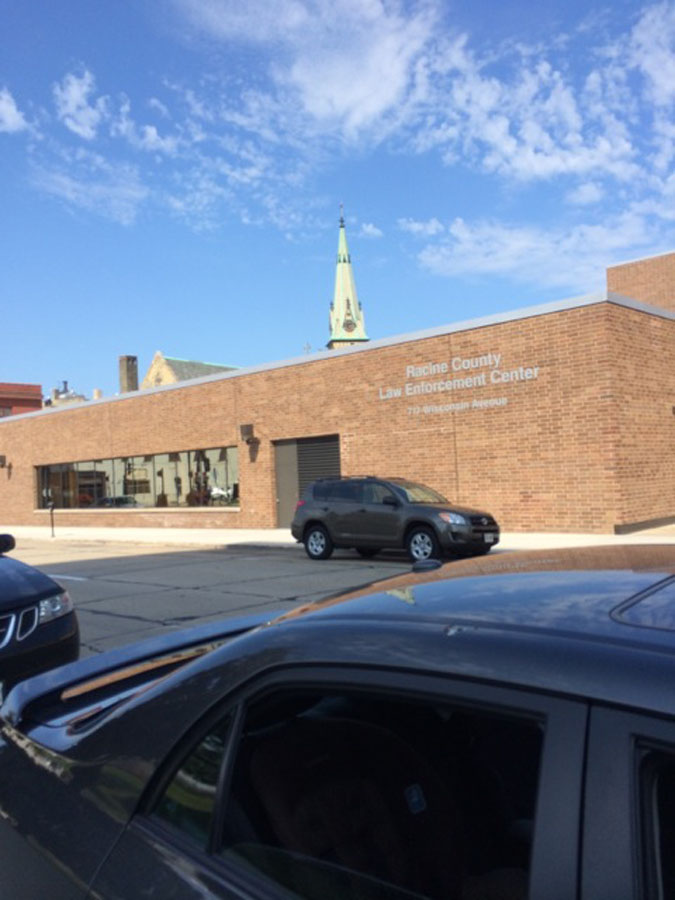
(281, 537)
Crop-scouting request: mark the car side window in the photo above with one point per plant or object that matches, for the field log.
(188, 801)
(657, 782)
(351, 491)
(352, 795)
(375, 492)
(321, 490)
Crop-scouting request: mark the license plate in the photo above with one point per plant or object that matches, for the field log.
(489, 538)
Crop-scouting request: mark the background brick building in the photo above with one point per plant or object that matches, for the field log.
(19, 398)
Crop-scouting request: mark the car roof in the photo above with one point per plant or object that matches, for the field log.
(601, 592)
(576, 622)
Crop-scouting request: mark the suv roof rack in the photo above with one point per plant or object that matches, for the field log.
(342, 477)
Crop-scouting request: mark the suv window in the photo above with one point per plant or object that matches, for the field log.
(345, 490)
(375, 492)
(357, 795)
(419, 493)
(321, 489)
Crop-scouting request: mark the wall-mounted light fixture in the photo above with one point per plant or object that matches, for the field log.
(247, 435)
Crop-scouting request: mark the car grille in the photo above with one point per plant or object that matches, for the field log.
(28, 619)
(481, 524)
(17, 626)
(6, 629)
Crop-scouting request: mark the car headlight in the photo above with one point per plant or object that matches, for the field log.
(452, 518)
(54, 607)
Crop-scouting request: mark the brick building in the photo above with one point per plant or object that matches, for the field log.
(16, 399)
(557, 417)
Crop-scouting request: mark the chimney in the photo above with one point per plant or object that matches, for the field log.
(128, 374)
(97, 394)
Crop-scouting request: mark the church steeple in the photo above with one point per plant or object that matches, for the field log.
(346, 322)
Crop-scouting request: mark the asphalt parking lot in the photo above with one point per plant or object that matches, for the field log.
(124, 593)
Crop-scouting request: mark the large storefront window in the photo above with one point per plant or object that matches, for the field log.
(185, 478)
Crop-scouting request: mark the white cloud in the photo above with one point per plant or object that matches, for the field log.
(426, 229)
(521, 117)
(585, 194)
(569, 259)
(199, 200)
(323, 74)
(323, 78)
(330, 58)
(232, 19)
(522, 113)
(160, 107)
(144, 137)
(369, 230)
(89, 182)
(73, 106)
(11, 118)
(652, 51)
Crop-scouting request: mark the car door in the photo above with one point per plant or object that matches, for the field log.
(378, 523)
(629, 808)
(343, 507)
(355, 783)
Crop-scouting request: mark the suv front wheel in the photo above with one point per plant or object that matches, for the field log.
(318, 544)
(421, 544)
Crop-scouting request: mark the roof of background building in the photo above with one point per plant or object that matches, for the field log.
(8, 388)
(185, 369)
(166, 370)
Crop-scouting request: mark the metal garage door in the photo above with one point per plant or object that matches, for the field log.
(299, 462)
(318, 457)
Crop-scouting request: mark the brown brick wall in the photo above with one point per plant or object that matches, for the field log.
(648, 280)
(643, 431)
(582, 447)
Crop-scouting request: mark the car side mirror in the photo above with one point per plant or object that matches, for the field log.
(389, 500)
(7, 543)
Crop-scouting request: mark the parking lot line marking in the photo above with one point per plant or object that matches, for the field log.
(68, 577)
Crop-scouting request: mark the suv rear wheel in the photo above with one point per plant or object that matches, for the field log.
(318, 544)
(421, 543)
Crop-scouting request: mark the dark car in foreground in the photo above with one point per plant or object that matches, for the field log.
(38, 625)
(371, 514)
(498, 728)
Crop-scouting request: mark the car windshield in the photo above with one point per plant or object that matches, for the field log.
(419, 493)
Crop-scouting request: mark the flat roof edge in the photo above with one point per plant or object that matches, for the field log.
(527, 312)
(639, 306)
(640, 259)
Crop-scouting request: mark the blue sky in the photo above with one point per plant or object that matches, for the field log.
(171, 170)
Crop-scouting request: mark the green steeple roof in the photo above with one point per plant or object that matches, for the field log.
(346, 321)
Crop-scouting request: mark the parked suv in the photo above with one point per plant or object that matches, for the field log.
(38, 625)
(371, 514)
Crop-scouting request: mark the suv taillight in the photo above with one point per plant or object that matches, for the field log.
(299, 504)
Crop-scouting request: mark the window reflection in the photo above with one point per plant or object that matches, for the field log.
(197, 478)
